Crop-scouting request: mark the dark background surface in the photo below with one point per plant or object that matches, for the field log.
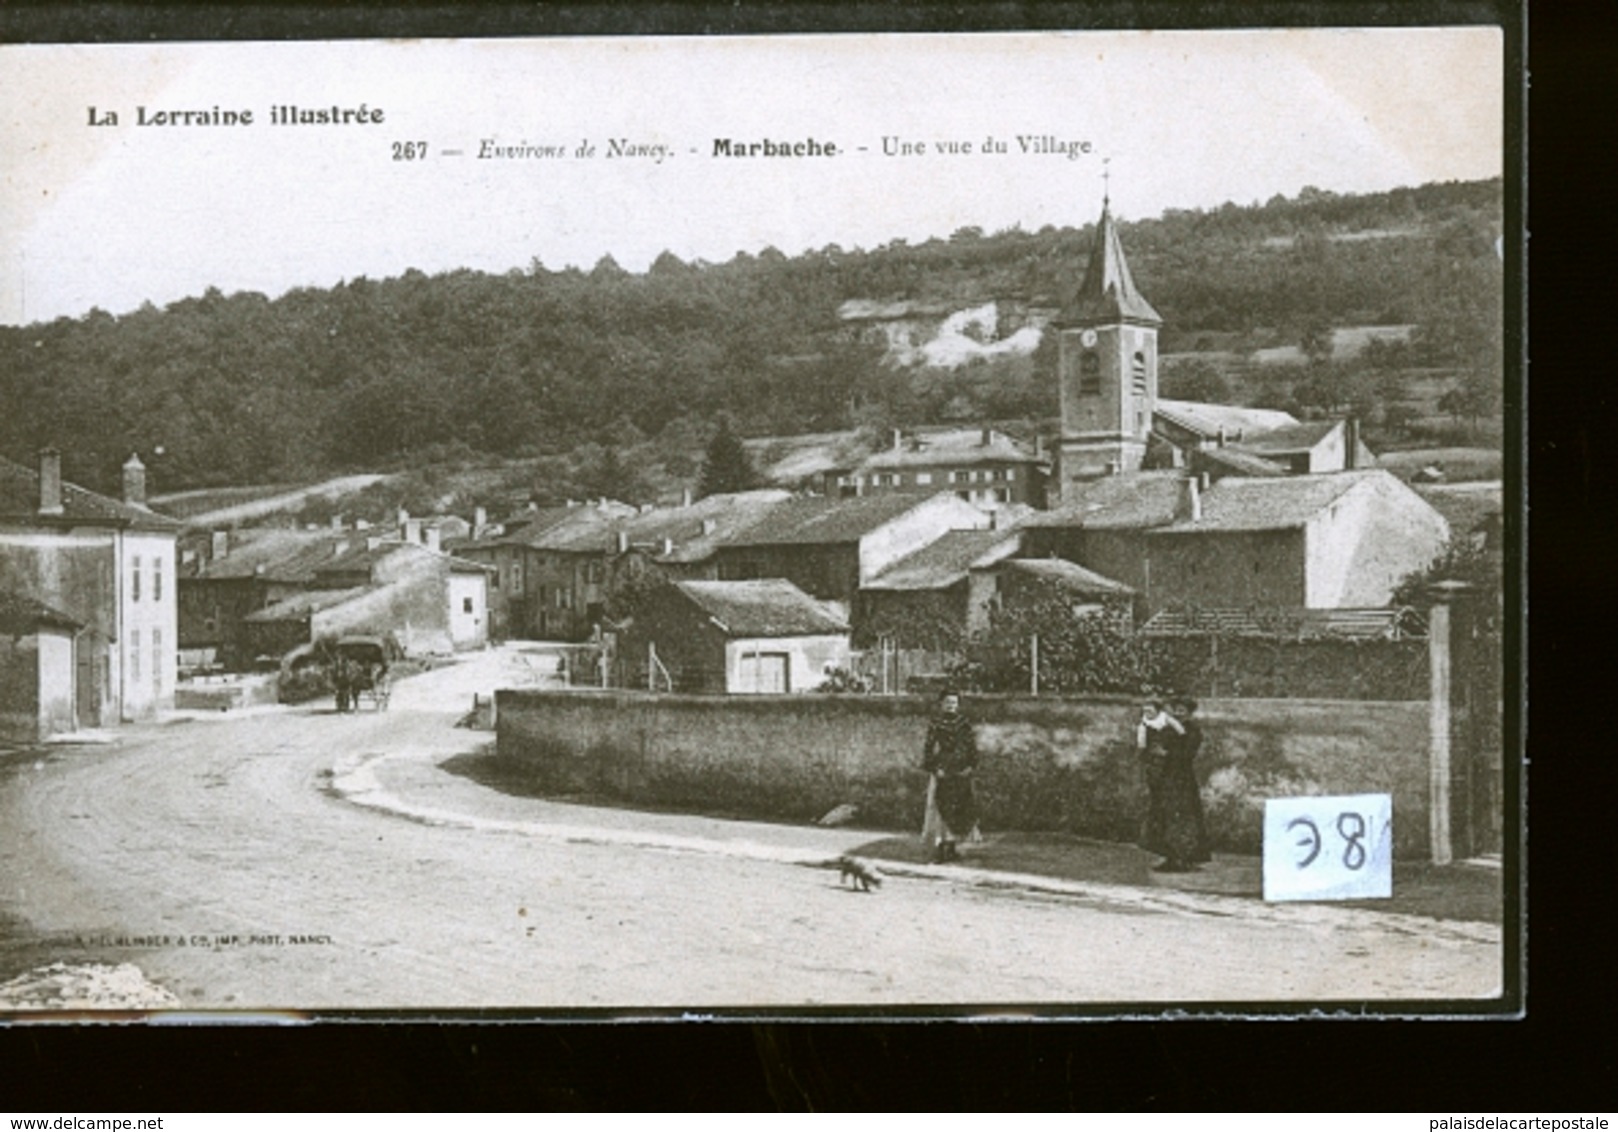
(1560, 1057)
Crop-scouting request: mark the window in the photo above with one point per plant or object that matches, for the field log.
(134, 655)
(157, 579)
(1011, 474)
(1137, 372)
(157, 658)
(1090, 374)
(957, 477)
(924, 477)
(466, 605)
(134, 580)
(516, 577)
(1001, 495)
(593, 573)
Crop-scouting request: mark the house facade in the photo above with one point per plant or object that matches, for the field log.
(427, 601)
(757, 637)
(981, 466)
(1342, 540)
(107, 564)
(830, 548)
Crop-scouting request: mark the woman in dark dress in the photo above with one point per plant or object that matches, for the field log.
(1175, 829)
(950, 755)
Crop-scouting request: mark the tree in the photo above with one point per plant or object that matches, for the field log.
(1195, 379)
(726, 466)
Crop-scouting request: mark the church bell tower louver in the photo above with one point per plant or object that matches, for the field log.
(1106, 366)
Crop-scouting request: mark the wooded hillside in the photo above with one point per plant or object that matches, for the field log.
(377, 374)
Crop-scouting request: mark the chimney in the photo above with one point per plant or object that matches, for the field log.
(988, 437)
(623, 542)
(709, 526)
(362, 524)
(339, 547)
(372, 541)
(404, 517)
(134, 481)
(412, 530)
(220, 546)
(480, 520)
(668, 547)
(685, 498)
(1039, 447)
(1193, 500)
(433, 537)
(1351, 443)
(994, 519)
(1220, 440)
(1203, 480)
(898, 439)
(50, 482)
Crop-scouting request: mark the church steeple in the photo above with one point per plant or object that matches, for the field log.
(1108, 292)
(1107, 365)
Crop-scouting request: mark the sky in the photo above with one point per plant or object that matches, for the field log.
(113, 216)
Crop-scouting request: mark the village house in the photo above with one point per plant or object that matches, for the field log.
(106, 566)
(426, 601)
(934, 598)
(745, 637)
(830, 548)
(228, 574)
(982, 466)
(549, 570)
(1340, 540)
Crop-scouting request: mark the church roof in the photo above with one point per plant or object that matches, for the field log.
(1108, 293)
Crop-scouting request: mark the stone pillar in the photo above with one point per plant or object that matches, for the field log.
(1440, 768)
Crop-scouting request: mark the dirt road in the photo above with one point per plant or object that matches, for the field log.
(215, 856)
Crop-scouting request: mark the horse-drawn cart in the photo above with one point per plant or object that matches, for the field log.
(360, 673)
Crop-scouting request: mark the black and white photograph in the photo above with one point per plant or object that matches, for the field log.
(965, 524)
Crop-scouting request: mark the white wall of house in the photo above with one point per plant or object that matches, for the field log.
(782, 664)
(1368, 541)
(148, 622)
(468, 610)
(920, 526)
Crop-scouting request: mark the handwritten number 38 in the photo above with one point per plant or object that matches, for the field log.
(1350, 827)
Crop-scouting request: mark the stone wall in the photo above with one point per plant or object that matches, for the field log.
(1048, 764)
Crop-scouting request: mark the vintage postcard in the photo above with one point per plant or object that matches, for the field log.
(865, 524)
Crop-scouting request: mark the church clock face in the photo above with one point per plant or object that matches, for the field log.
(1088, 338)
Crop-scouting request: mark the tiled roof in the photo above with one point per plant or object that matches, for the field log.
(301, 605)
(818, 520)
(1206, 419)
(1068, 575)
(19, 500)
(1237, 503)
(696, 531)
(961, 447)
(1289, 438)
(1288, 624)
(21, 614)
(946, 560)
(365, 558)
(767, 607)
(1237, 461)
(1126, 502)
(583, 529)
(277, 554)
